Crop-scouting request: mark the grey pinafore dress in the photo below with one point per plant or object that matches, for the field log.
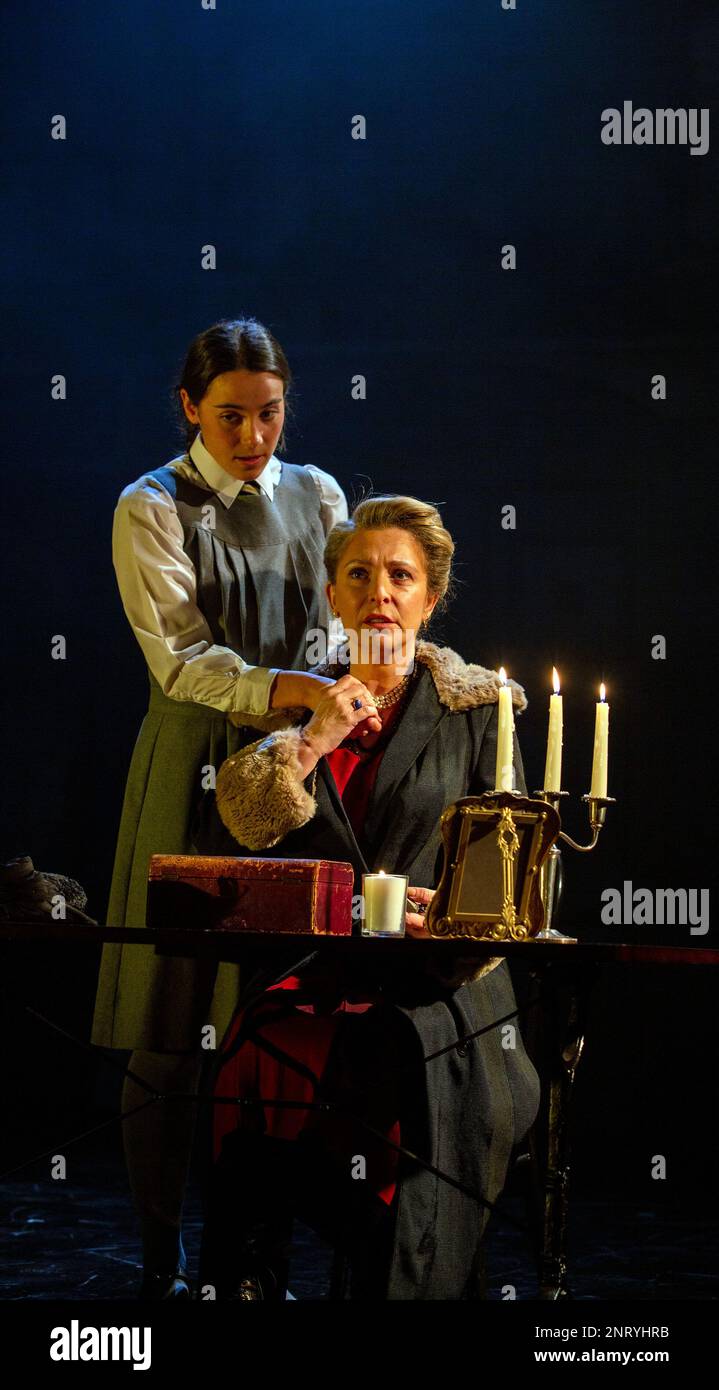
(260, 586)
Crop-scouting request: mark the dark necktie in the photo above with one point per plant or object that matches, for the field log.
(252, 487)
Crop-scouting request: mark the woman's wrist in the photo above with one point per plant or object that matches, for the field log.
(309, 750)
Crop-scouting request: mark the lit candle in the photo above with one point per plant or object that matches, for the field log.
(553, 766)
(505, 746)
(601, 746)
(384, 904)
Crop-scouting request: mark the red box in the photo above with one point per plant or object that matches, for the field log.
(266, 895)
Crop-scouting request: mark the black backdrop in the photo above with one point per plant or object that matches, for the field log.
(485, 387)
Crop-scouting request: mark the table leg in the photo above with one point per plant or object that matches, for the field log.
(556, 1042)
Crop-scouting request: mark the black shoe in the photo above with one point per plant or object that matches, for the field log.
(257, 1288)
(160, 1287)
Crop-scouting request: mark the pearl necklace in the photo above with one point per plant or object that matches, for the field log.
(395, 694)
(381, 701)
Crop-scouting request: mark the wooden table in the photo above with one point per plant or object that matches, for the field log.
(564, 972)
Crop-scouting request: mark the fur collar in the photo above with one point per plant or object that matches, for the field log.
(464, 685)
(460, 685)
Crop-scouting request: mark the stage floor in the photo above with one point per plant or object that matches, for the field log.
(77, 1239)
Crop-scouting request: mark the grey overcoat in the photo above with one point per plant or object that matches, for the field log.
(472, 1109)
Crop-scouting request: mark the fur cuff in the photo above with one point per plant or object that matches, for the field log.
(261, 794)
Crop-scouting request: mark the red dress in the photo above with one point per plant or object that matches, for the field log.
(300, 1041)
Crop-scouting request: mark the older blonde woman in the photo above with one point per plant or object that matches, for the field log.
(366, 780)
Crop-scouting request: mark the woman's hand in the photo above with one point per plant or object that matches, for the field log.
(414, 921)
(297, 689)
(335, 716)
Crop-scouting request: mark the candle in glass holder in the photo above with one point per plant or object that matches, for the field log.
(601, 746)
(503, 775)
(384, 899)
(553, 766)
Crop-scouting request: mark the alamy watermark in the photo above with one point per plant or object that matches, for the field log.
(76, 1343)
(646, 907)
(368, 647)
(639, 125)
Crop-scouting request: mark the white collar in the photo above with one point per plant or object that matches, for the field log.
(223, 483)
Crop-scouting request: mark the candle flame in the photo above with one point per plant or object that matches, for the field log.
(382, 873)
(555, 680)
(602, 691)
(503, 675)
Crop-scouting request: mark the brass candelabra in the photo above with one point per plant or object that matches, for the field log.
(550, 882)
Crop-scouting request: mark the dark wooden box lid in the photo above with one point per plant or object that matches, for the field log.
(185, 867)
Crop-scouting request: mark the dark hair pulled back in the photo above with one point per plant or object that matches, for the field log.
(229, 346)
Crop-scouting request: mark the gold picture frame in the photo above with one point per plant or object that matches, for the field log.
(494, 848)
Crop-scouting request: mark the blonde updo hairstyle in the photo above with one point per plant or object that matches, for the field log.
(420, 519)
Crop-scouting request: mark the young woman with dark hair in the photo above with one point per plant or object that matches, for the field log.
(218, 556)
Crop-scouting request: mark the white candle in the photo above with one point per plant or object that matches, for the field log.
(601, 747)
(553, 766)
(505, 745)
(384, 904)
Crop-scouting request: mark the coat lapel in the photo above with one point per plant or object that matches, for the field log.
(327, 792)
(414, 731)
(423, 713)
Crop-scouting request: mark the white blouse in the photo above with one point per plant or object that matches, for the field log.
(158, 585)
